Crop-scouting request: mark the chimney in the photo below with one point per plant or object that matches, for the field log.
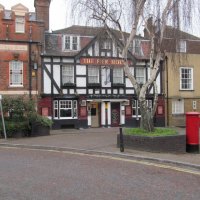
(42, 11)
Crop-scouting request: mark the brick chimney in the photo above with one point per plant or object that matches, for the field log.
(42, 11)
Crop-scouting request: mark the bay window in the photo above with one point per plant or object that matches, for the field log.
(65, 109)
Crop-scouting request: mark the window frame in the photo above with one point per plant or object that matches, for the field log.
(177, 109)
(20, 23)
(186, 79)
(73, 107)
(93, 76)
(137, 107)
(67, 74)
(71, 42)
(181, 46)
(120, 76)
(20, 72)
(140, 77)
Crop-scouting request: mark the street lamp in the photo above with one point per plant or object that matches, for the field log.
(3, 123)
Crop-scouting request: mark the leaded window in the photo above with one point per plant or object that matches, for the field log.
(118, 75)
(140, 75)
(93, 74)
(67, 74)
(16, 73)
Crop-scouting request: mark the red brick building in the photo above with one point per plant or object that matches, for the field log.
(21, 43)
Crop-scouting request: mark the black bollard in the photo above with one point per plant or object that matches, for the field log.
(121, 140)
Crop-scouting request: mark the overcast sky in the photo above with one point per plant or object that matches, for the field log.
(60, 18)
(58, 12)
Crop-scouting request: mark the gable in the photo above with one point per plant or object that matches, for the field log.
(19, 9)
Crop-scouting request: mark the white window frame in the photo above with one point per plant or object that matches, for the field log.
(140, 76)
(71, 42)
(13, 73)
(93, 74)
(67, 74)
(137, 47)
(177, 106)
(136, 107)
(20, 24)
(181, 46)
(107, 44)
(55, 108)
(118, 75)
(68, 105)
(188, 80)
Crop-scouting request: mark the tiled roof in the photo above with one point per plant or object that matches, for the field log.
(171, 32)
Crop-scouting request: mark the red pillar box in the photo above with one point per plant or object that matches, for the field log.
(192, 132)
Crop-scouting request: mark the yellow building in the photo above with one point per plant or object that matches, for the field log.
(181, 75)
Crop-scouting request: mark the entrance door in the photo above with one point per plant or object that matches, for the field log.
(115, 114)
(95, 115)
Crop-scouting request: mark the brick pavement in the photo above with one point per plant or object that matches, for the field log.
(101, 141)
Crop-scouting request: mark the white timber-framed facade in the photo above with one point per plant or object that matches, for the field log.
(84, 84)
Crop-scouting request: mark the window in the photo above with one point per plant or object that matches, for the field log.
(136, 107)
(181, 46)
(55, 104)
(16, 73)
(67, 74)
(186, 78)
(93, 74)
(137, 47)
(71, 43)
(106, 44)
(118, 75)
(20, 24)
(65, 109)
(177, 106)
(140, 75)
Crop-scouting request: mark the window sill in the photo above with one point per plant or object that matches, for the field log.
(186, 90)
(16, 86)
(94, 85)
(118, 85)
(69, 85)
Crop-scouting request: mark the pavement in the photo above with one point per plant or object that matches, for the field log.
(100, 141)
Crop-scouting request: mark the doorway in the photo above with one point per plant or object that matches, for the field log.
(95, 115)
(115, 114)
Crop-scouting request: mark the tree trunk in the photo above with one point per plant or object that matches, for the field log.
(146, 122)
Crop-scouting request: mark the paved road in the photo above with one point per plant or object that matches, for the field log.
(50, 175)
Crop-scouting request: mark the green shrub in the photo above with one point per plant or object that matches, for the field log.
(36, 118)
(12, 127)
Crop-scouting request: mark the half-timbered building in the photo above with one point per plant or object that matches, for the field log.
(83, 81)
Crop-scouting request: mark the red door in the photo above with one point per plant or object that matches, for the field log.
(115, 114)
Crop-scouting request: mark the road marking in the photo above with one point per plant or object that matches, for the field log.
(179, 169)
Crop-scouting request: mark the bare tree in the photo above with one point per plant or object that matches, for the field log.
(154, 15)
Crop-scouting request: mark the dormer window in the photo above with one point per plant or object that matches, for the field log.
(181, 46)
(71, 43)
(20, 24)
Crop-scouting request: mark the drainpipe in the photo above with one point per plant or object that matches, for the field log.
(167, 89)
(30, 72)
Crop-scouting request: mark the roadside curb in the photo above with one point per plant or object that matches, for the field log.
(104, 153)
